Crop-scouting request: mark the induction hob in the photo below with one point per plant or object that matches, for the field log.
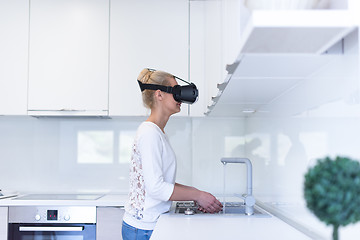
(7, 194)
(59, 197)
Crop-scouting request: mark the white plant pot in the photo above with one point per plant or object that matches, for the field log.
(286, 4)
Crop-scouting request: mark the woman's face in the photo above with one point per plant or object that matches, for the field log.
(170, 103)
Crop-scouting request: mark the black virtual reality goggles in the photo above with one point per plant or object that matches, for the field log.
(185, 94)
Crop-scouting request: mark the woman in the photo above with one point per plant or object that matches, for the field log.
(153, 165)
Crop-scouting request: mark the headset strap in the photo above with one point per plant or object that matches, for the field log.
(144, 86)
(154, 70)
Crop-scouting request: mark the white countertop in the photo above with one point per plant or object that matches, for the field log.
(297, 213)
(106, 200)
(179, 227)
(220, 226)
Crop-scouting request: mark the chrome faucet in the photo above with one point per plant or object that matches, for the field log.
(249, 200)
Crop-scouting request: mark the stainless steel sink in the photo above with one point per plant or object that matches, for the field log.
(230, 209)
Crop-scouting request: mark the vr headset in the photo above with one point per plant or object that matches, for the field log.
(185, 94)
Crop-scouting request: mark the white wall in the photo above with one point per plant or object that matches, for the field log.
(92, 155)
(329, 126)
(214, 138)
(67, 155)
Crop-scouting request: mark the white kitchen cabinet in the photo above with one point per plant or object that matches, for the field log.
(293, 32)
(278, 51)
(145, 34)
(214, 38)
(261, 80)
(109, 223)
(14, 25)
(3, 222)
(68, 57)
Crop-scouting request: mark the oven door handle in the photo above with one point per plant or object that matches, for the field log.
(50, 229)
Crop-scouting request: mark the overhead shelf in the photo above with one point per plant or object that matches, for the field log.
(306, 31)
(279, 49)
(260, 80)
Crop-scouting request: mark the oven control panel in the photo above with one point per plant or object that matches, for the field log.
(52, 215)
(61, 214)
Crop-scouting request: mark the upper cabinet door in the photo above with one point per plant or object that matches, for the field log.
(145, 34)
(68, 57)
(214, 42)
(14, 25)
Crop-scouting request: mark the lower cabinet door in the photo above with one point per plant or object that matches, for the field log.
(109, 222)
(3, 222)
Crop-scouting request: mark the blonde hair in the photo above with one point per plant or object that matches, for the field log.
(152, 77)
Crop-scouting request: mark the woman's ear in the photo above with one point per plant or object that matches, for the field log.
(158, 95)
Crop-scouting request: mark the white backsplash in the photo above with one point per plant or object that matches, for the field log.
(42, 155)
(77, 155)
(92, 155)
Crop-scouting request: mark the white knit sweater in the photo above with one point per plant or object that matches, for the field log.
(152, 177)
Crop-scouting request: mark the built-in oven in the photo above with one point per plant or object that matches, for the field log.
(52, 223)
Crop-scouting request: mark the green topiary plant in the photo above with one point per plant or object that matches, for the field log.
(332, 191)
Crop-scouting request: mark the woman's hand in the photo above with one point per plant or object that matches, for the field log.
(208, 203)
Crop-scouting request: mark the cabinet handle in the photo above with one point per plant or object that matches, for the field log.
(50, 229)
(70, 110)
